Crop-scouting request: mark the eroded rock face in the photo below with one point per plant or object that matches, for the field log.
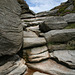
(12, 65)
(70, 18)
(51, 67)
(10, 27)
(60, 35)
(53, 23)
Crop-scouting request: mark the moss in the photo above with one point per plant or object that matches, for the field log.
(62, 7)
(71, 45)
(70, 26)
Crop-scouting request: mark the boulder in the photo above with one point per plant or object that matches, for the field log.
(60, 36)
(10, 27)
(32, 42)
(53, 23)
(70, 18)
(65, 56)
(12, 65)
(51, 67)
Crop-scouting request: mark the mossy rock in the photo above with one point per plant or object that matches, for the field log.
(70, 26)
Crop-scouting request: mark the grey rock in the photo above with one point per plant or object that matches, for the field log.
(52, 47)
(10, 27)
(53, 23)
(51, 67)
(47, 13)
(12, 65)
(28, 15)
(32, 42)
(70, 18)
(70, 8)
(29, 34)
(60, 36)
(66, 56)
(36, 54)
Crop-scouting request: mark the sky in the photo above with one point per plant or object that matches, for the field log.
(43, 5)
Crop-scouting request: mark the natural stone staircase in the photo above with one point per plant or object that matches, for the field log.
(36, 50)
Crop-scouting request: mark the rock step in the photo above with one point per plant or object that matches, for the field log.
(32, 42)
(51, 67)
(34, 19)
(29, 34)
(13, 65)
(36, 54)
(60, 35)
(66, 56)
(35, 23)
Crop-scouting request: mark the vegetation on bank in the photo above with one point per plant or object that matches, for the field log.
(70, 26)
(63, 8)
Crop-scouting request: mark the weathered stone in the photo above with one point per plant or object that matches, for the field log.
(37, 50)
(56, 47)
(70, 18)
(10, 27)
(51, 67)
(36, 54)
(71, 7)
(66, 56)
(32, 42)
(38, 57)
(34, 23)
(29, 34)
(60, 35)
(47, 13)
(12, 65)
(52, 23)
(28, 15)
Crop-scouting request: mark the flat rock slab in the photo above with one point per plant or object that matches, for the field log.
(29, 34)
(37, 50)
(12, 66)
(51, 67)
(66, 56)
(60, 35)
(32, 42)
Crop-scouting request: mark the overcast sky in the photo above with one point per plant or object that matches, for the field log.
(43, 5)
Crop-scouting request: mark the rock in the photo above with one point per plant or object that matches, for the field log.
(10, 27)
(51, 67)
(36, 54)
(34, 72)
(71, 7)
(34, 29)
(29, 34)
(53, 23)
(28, 15)
(70, 18)
(38, 73)
(12, 65)
(66, 56)
(60, 36)
(34, 23)
(32, 42)
(56, 47)
(47, 13)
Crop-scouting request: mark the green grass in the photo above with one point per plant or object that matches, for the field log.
(70, 26)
